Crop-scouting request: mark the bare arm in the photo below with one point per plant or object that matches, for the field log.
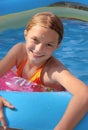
(11, 59)
(78, 105)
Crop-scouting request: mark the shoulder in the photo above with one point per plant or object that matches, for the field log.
(17, 53)
(54, 64)
(53, 70)
(13, 58)
(19, 46)
(20, 52)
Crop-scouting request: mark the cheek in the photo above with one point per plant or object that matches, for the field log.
(49, 51)
(29, 44)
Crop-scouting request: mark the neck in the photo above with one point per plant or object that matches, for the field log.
(34, 65)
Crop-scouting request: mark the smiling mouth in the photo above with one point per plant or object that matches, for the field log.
(37, 55)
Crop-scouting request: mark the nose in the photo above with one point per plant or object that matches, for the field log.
(39, 47)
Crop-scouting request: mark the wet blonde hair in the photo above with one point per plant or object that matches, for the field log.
(47, 20)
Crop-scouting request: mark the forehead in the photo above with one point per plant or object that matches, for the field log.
(42, 31)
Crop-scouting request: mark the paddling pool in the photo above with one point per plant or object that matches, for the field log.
(42, 111)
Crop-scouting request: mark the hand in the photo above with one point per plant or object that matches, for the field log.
(4, 102)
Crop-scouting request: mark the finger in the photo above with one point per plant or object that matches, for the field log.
(4, 102)
(2, 119)
(7, 104)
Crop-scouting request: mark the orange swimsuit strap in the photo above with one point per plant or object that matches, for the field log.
(36, 77)
(20, 68)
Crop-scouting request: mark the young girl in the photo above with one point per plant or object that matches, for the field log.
(34, 62)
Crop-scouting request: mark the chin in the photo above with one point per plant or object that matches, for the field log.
(35, 60)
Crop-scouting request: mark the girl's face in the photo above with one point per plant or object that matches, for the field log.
(40, 43)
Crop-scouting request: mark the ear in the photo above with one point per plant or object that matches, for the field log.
(25, 33)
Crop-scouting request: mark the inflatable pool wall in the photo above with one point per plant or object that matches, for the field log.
(38, 111)
(8, 6)
(17, 16)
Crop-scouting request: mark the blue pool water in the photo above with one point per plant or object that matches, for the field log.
(73, 51)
